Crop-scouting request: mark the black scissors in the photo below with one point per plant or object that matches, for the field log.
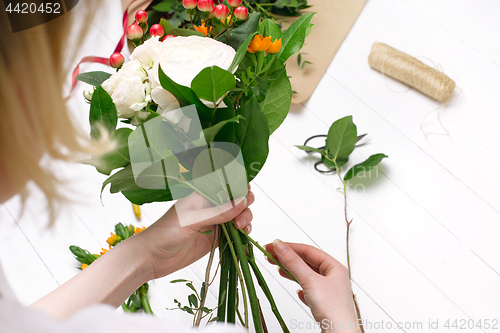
(323, 147)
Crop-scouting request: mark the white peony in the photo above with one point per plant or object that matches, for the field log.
(182, 58)
(129, 89)
(146, 53)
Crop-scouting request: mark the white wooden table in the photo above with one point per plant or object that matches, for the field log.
(424, 240)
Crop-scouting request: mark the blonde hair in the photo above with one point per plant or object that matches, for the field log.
(34, 120)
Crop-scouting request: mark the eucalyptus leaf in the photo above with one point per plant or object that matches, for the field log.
(365, 166)
(193, 300)
(212, 83)
(341, 139)
(276, 104)
(93, 78)
(103, 114)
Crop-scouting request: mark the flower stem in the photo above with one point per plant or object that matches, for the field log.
(245, 269)
(348, 224)
(207, 276)
(232, 294)
(235, 260)
(143, 295)
(269, 256)
(266, 290)
(225, 261)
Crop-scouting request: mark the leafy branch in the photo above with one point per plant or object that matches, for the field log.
(340, 143)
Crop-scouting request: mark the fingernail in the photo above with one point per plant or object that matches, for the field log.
(240, 223)
(238, 203)
(280, 247)
(248, 228)
(298, 291)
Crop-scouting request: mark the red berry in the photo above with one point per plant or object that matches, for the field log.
(234, 3)
(221, 12)
(116, 60)
(156, 30)
(167, 37)
(134, 31)
(241, 13)
(189, 4)
(205, 5)
(141, 16)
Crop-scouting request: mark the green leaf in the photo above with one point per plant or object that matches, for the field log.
(212, 83)
(269, 28)
(93, 78)
(117, 158)
(171, 30)
(293, 38)
(190, 285)
(276, 104)
(341, 139)
(185, 96)
(307, 148)
(237, 36)
(83, 256)
(163, 6)
(240, 54)
(124, 181)
(210, 133)
(252, 135)
(365, 166)
(193, 300)
(177, 281)
(136, 301)
(102, 113)
(188, 310)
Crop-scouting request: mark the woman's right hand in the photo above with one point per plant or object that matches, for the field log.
(326, 288)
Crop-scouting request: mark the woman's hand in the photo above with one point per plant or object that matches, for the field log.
(169, 246)
(325, 283)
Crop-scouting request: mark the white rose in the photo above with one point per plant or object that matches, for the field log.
(182, 58)
(128, 89)
(146, 53)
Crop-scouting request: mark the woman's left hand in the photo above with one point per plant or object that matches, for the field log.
(169, 246)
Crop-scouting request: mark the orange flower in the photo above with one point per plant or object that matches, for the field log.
(274, 47)
(259, 44)
(104, 250)
(113, 240)
(84, 266)
(138, 230)
(203, 28)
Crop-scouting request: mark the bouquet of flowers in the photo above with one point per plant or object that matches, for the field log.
(200, 104)
(139, 299)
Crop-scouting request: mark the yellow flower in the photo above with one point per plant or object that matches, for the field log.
(203, 28)
(274, 47)
(84, 266)
(137, 211)
(259, 44)
(113, 240)
(138, 230)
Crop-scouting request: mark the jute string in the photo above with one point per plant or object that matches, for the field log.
(411, 71)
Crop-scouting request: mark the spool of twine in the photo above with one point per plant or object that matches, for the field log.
(407, 69)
